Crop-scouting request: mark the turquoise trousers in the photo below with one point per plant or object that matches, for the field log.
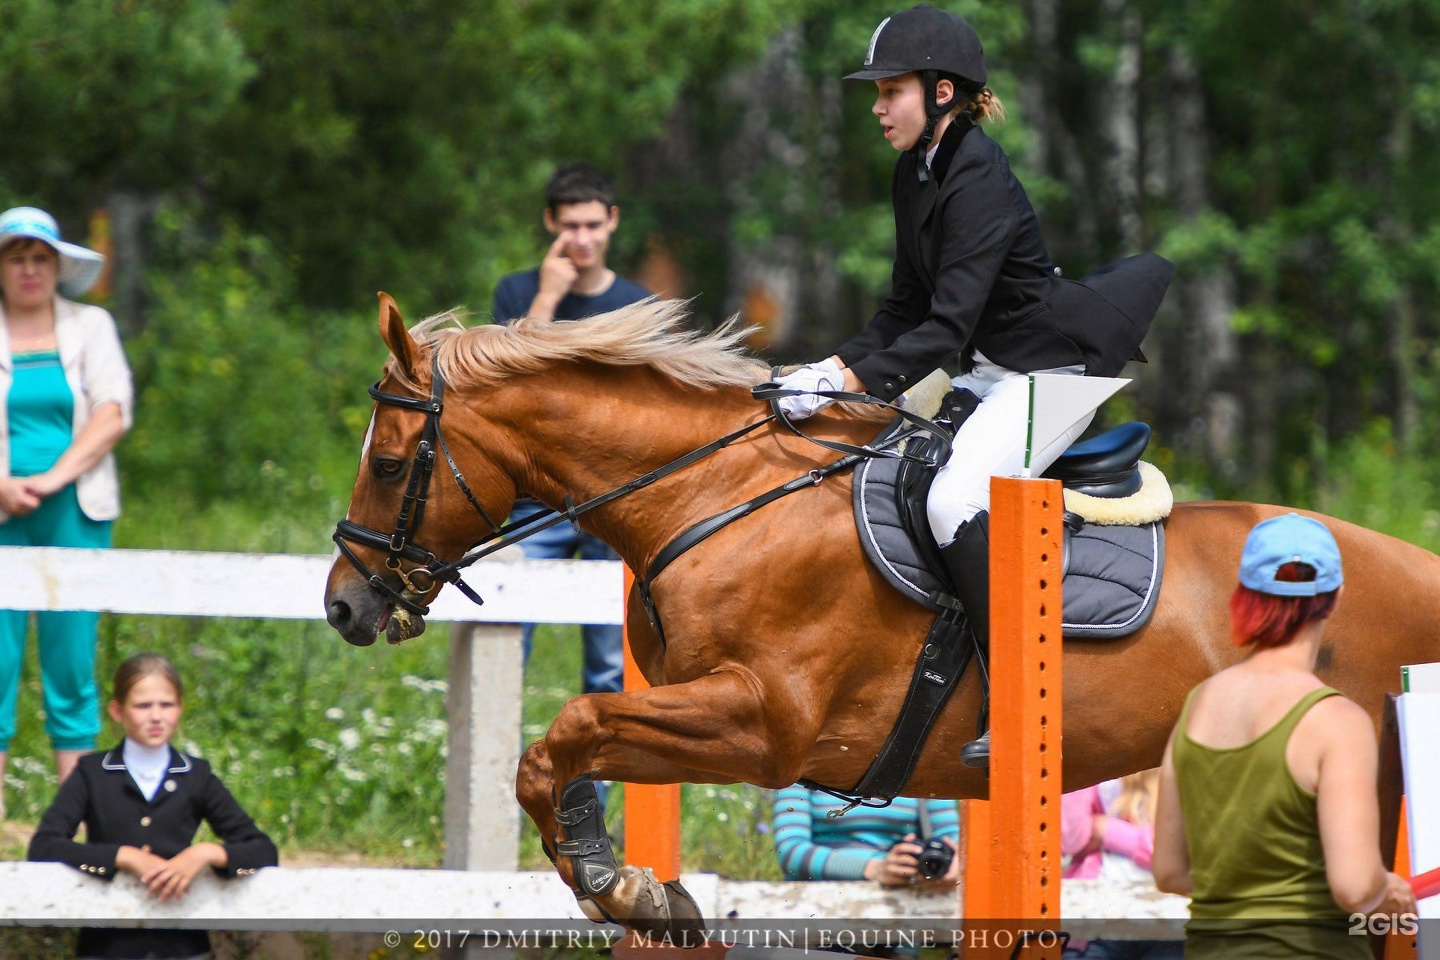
(66, 639)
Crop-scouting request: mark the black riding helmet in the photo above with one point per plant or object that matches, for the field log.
(932, 43)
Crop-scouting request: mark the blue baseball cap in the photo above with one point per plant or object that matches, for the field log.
(79, 266)
(1290, 539)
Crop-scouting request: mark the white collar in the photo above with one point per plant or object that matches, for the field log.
(115, 758)
(146, 765)
(143, 759)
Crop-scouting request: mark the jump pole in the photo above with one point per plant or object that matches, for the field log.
(1011, 898)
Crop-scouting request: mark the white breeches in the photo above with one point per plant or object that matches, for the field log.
(991, 443)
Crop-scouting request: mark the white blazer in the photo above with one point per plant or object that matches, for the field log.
(96, 370)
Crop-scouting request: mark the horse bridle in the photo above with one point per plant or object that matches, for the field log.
(400, 545)
(419, 580)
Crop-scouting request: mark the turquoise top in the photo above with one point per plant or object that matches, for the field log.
(41, 411)
(814, 846)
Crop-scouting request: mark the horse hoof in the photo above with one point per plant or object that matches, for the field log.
(687, 924)
(657, 910)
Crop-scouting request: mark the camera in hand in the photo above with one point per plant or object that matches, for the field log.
(935, 856)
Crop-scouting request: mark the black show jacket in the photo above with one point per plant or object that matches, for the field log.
(102, 795)
(972, 273)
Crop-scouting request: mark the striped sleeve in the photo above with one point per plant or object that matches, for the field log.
(801, 856)
(944, 818)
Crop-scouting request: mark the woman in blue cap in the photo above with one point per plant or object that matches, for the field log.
(1268, 815)
(972, 279)
(65, 399)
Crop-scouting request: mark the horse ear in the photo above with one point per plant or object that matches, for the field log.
(396, 337)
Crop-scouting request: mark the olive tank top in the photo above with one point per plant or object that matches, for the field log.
(1255, 851)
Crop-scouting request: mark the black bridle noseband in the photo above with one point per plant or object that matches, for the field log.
(401, 545)
(431, 570)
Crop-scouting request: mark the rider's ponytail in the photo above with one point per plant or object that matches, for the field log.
(983, 107)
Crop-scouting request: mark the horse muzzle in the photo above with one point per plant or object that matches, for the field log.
(360, 615)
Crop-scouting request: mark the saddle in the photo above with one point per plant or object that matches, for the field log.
(1113, 557)
(1114, 541)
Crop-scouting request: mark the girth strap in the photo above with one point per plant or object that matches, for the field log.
(941, 663)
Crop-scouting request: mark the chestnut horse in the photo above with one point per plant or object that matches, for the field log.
(786, 654)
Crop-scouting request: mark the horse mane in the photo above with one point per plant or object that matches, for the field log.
(651, 333)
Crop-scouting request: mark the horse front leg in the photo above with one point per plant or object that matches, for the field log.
(710, 730)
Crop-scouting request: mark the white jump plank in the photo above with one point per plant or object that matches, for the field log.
(378, 900)
(195, 583)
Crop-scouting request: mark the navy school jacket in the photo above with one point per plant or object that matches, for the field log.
(101, 794)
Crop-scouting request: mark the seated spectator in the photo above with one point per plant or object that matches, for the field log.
(1107, 832)
(867, 843)
(142, 802)
(881, 844)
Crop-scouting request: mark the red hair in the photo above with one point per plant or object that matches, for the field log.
(1264, 620)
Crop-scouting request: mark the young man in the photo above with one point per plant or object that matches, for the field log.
(572, 283)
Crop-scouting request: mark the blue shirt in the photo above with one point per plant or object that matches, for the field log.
(515, 293)
(41, 409)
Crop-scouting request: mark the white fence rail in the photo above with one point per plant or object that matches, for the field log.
(194, 583)
(379, 900)
(482, 820)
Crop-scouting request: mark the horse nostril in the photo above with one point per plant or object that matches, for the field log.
(338, 614)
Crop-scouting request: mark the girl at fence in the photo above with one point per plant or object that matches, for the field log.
(1268, 816)
(142, 802)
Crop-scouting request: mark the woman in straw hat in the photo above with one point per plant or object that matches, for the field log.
(1268, 816)
(65, 399)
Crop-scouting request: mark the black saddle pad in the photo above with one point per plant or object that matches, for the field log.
(1112, 577)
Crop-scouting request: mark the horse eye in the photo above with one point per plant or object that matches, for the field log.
(386, 468)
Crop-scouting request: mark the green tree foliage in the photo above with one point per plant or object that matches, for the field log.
(410, 141)
(242, 394)
(310, 154)
(101, 95)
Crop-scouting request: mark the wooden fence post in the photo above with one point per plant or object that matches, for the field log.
(482, 819)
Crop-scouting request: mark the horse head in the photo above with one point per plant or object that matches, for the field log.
(392, 560)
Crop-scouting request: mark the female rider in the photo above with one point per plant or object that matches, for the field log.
(972, 277)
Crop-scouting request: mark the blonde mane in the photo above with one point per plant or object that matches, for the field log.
(648, 333)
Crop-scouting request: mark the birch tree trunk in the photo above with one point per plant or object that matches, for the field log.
(1204, 372)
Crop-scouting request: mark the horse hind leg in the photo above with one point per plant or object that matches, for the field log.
(659, 909)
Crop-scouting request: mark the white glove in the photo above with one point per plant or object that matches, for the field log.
(825, 375)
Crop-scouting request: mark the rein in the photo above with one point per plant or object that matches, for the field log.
(400, 544)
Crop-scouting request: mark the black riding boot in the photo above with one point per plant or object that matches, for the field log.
(967, 558)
